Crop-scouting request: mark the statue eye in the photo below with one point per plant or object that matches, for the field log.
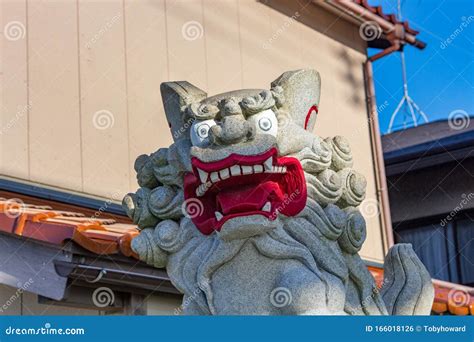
(200, 132)
(203, 131)
(265, 122)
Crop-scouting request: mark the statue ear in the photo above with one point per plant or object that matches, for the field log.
(176, 96)
(301, 90)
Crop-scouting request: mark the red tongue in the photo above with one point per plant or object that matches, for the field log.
(247, 198)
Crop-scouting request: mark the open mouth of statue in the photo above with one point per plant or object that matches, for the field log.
(242, 185)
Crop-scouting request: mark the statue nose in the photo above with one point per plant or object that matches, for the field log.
(233, 129)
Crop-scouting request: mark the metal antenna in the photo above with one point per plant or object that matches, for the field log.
(406, 99)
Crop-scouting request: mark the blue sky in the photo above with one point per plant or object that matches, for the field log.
(441, 77)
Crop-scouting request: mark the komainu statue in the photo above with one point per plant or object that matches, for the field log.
(251, 213)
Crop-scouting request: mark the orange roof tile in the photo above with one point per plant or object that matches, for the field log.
(390, 17)
(100, 236)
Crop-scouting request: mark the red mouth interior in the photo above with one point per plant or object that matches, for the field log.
(243, 195)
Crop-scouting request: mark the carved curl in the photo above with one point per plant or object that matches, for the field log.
(146, 246)
(165, 202)
(202, 111)
(278, 95)
(144, 168)
(136, 206)
(341, 152)
(254, 104)
(170, 164)
(354, 232)
(325, 188)
(230, 107)
(167, 236)
(316, 158)
(353, 185)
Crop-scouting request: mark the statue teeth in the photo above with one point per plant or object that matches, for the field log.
(209, 178)
(219, 216)
(235, 170)
(203, 175)
(268, 163)
(201, 189)
(215, 177)
(267, 207)
(224, 174)
(247, 170)
(276, 169)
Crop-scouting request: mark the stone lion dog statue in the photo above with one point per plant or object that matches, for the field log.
(251, 213)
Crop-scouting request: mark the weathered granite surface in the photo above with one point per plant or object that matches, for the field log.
(246, 235)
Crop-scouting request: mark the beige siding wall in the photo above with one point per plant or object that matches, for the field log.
(79, 61)
(163, 304)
